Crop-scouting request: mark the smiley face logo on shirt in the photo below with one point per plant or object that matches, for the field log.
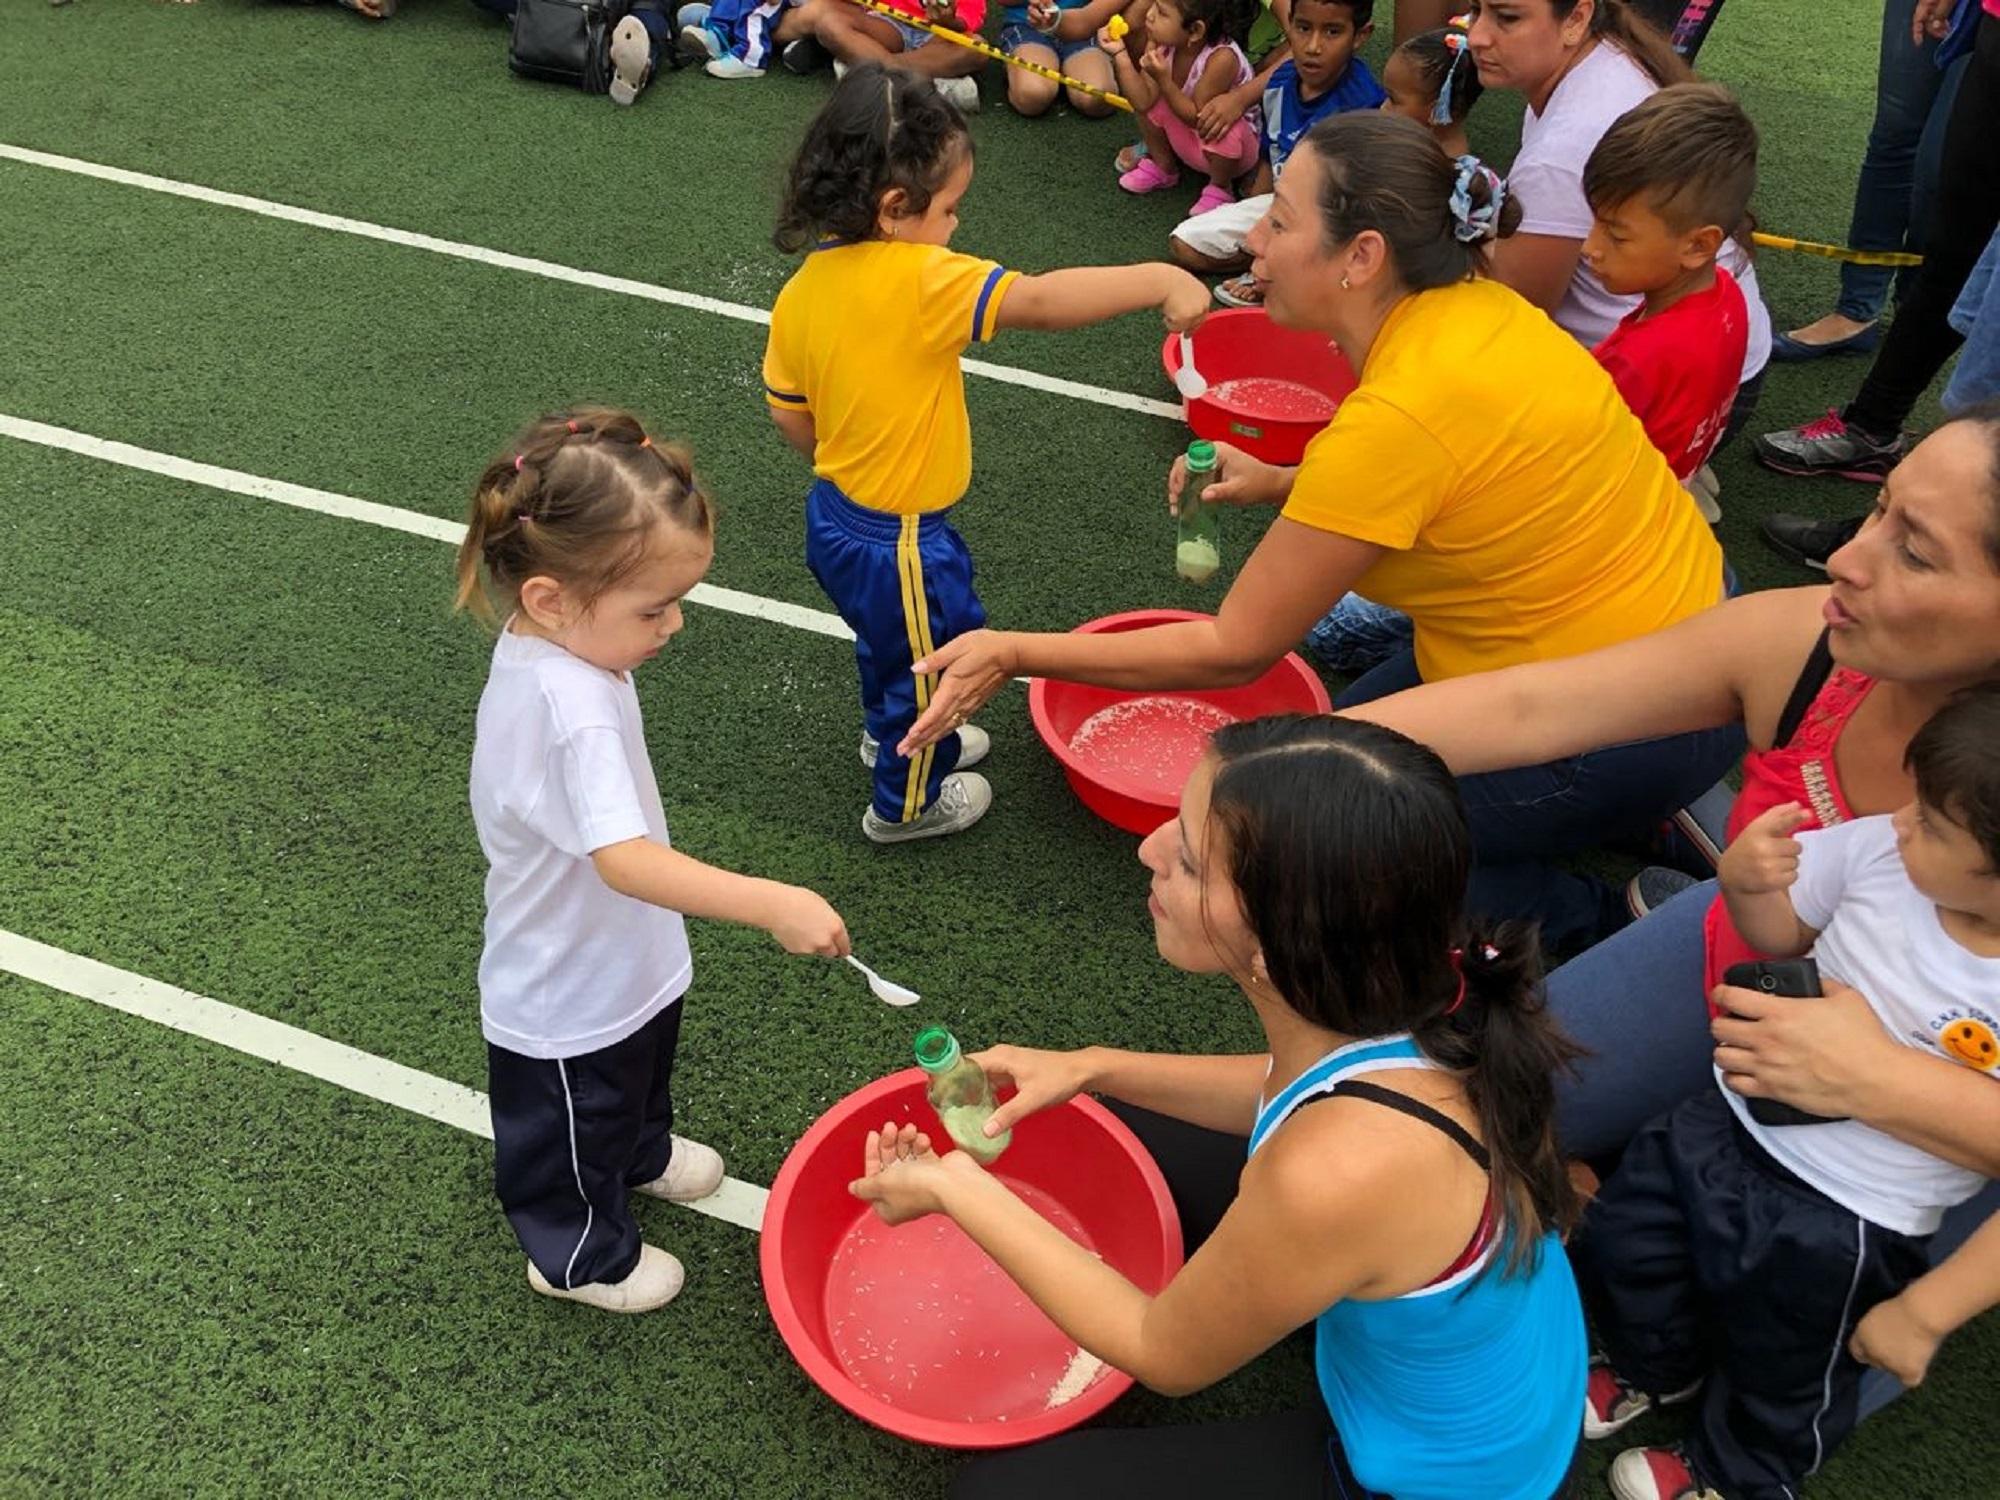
(1972, 1043)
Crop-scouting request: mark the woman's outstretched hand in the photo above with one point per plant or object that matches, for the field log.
(1239, 480)
(901, 1175)
(975, 666)
(1040, 1080)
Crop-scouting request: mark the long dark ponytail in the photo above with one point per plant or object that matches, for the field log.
(1348, 845)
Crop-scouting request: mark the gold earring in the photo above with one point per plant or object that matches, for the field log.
(1344, 285)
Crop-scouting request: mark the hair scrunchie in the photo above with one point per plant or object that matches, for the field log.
(1472, 223)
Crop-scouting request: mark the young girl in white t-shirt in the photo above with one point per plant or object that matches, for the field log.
(1743, 1251)
(585, 538)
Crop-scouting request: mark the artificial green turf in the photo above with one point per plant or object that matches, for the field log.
(233, 740)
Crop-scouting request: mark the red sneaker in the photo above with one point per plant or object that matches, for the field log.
(1656, 1474)
(1609, 1403)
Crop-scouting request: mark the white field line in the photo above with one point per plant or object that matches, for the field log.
(453, 1104)
(622, 285)
(347, 508)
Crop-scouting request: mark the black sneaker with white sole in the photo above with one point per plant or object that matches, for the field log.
(1653, 887)
(1805, 540)
(803, 55)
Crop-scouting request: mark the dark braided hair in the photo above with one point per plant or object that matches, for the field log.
(883, 129)
(574, 499)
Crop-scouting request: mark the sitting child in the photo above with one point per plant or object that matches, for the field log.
(1322, 77)
(739, 36)
(1432, 79)
(1667, 185)
(1742, 1252)
(854, 35)
(1059, 34)
(1188, 59)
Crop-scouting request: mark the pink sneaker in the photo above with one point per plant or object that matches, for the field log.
(1147, 177)
(1214, 196)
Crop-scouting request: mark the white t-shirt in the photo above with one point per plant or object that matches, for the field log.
(1547, 177)
(559, 768)
(1880, 935)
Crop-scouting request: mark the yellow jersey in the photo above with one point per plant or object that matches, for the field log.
(1527, 514)
(866, 337)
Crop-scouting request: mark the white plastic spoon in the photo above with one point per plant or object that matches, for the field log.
(1187, 379)
(887, 993)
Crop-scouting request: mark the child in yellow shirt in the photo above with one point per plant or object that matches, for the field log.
(862, 376)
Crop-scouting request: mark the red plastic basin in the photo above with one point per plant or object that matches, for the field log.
(1270, 389)
(1129, 754)
(913, 1328)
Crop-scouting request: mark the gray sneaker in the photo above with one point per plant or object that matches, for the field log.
(703, 41)
(962, 92)
(1830, 446)
(961, 801)
(1654, 887)
(974, 745)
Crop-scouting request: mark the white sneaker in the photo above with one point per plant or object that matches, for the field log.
(839, 70)
(631, 60)
(693, 1171)
(963, 92)
(729, 65)
(654, 1282)
(962, 800)
(974, 745)
(1707, 492)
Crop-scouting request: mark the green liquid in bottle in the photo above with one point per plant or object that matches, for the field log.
(1198, 541)
(961, 1094)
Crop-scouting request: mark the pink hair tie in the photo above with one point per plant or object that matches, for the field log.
(517, 463)
(571, 425)
(646, 441)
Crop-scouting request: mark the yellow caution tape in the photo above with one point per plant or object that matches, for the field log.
(1836, 252)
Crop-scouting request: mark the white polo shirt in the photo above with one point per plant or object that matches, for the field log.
(1881, 935)
(559, 769)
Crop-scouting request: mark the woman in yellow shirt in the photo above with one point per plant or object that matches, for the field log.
(1484, 477)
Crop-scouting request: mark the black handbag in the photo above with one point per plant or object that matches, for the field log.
(565, 41)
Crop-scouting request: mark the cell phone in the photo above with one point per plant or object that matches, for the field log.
(1798, 978)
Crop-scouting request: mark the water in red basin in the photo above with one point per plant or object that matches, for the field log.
(920, 1316)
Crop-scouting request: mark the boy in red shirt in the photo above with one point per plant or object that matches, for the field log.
(1667, 184)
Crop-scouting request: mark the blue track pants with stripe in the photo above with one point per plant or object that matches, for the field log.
(572, 1137)
(903, 584)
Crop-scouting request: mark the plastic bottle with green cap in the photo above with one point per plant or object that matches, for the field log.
(1198, 544)
(961, 1094)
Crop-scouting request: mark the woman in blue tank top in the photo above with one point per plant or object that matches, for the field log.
(1402, 1191)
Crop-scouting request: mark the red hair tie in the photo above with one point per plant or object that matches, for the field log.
(1458, 968)
(571, 425)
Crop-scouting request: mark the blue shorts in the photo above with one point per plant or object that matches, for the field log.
(913, 36)
(1019, 34)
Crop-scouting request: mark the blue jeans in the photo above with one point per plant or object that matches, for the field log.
(1634, 1002)
(1900, 168)
(1524, 817)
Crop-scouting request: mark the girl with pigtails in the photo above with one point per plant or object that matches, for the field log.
(1383, 1169)
(584, 539)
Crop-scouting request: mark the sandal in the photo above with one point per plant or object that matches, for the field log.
(1214, 196)
(1240, 291)
(1148, 177)
(1129, 157)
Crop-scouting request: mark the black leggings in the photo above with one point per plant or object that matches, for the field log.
(1963, 213)
(1291, 1456)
